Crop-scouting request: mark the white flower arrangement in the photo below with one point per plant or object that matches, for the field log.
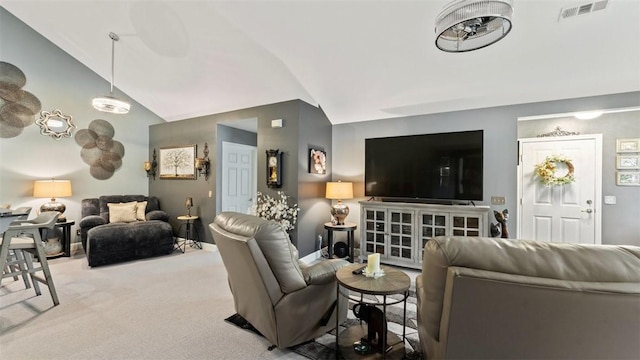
(276, 209)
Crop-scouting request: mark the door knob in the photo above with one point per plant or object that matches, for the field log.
(589, 210)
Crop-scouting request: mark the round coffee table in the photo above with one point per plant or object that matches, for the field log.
(394, 281)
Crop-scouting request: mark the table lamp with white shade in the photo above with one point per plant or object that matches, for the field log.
(52, 189)
(339, 191)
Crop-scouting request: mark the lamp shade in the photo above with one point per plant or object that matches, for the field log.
(52, 188)
(339, 190)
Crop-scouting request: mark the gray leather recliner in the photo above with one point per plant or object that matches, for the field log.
(287, 301)
(488, 298)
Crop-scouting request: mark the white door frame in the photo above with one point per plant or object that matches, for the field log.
(597, 206)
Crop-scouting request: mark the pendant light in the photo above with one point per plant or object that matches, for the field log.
(465, 25)
(109, 103)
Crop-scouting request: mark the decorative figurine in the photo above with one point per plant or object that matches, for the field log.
(502, 218)
(376, 326)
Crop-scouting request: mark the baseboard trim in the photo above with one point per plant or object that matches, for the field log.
(75, 247)
(312, 257)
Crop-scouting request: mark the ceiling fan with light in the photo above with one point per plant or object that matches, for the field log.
(466, 25)
(109, 103)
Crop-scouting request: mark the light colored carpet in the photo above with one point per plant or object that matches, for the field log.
(169, 307)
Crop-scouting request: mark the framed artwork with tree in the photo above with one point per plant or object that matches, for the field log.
(178, 162)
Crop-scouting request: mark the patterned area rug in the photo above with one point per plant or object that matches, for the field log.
(324, 346)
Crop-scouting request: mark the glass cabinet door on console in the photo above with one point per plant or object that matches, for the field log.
(401, 235)
(389, 232)
(431, 224)
(375, 229)
(466, 225)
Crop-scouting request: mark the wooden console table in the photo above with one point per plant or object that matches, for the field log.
(399, 231)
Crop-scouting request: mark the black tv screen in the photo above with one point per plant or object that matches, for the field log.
(446, 166)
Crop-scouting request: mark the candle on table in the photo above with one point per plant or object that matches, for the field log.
(373, 263)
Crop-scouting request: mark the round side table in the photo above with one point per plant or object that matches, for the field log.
(394, 281)
(190, 236)
(349, 228)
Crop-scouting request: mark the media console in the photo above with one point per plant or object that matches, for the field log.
(398, 231)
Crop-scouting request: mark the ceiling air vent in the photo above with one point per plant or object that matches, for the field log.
(583, 9)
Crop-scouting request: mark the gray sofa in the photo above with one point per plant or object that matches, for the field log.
(486, 298)
(105, 242)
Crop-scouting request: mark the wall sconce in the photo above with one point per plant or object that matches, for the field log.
(203, 164)
(150, 166)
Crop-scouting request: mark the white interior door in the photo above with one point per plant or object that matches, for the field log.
(239, 184)
(568, 213)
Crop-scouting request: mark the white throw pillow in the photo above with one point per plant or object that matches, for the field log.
(122, 212)
(141, 208)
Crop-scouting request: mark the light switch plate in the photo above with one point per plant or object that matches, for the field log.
(610, 200)
(498, 200)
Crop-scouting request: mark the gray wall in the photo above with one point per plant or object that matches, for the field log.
(315, 132)
(298, 117)
(500, 127)
(61, 82)
(618, 224)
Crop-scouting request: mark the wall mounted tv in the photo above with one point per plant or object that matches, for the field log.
(443, 167)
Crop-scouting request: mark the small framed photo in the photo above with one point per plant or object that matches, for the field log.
(628, 162)
(317, 161)
(628, 178)
(178, 162)
(628, 145)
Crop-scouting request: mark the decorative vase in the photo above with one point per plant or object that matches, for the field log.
(52, 246)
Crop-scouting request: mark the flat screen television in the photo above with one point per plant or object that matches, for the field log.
(445, 166)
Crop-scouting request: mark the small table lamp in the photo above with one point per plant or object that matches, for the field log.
(339, 191)
(188, 203)
(52, 189)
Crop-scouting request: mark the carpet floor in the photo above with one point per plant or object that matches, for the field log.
(168, 307)
(324, 347)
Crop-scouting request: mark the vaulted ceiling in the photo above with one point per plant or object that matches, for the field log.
(358, 60)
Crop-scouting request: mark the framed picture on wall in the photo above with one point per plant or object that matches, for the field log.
(178, 162)
(628, 162)
(628, 178)
(317, 161)
(628, 145)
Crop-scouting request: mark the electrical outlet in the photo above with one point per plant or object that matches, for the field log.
(498, 200)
